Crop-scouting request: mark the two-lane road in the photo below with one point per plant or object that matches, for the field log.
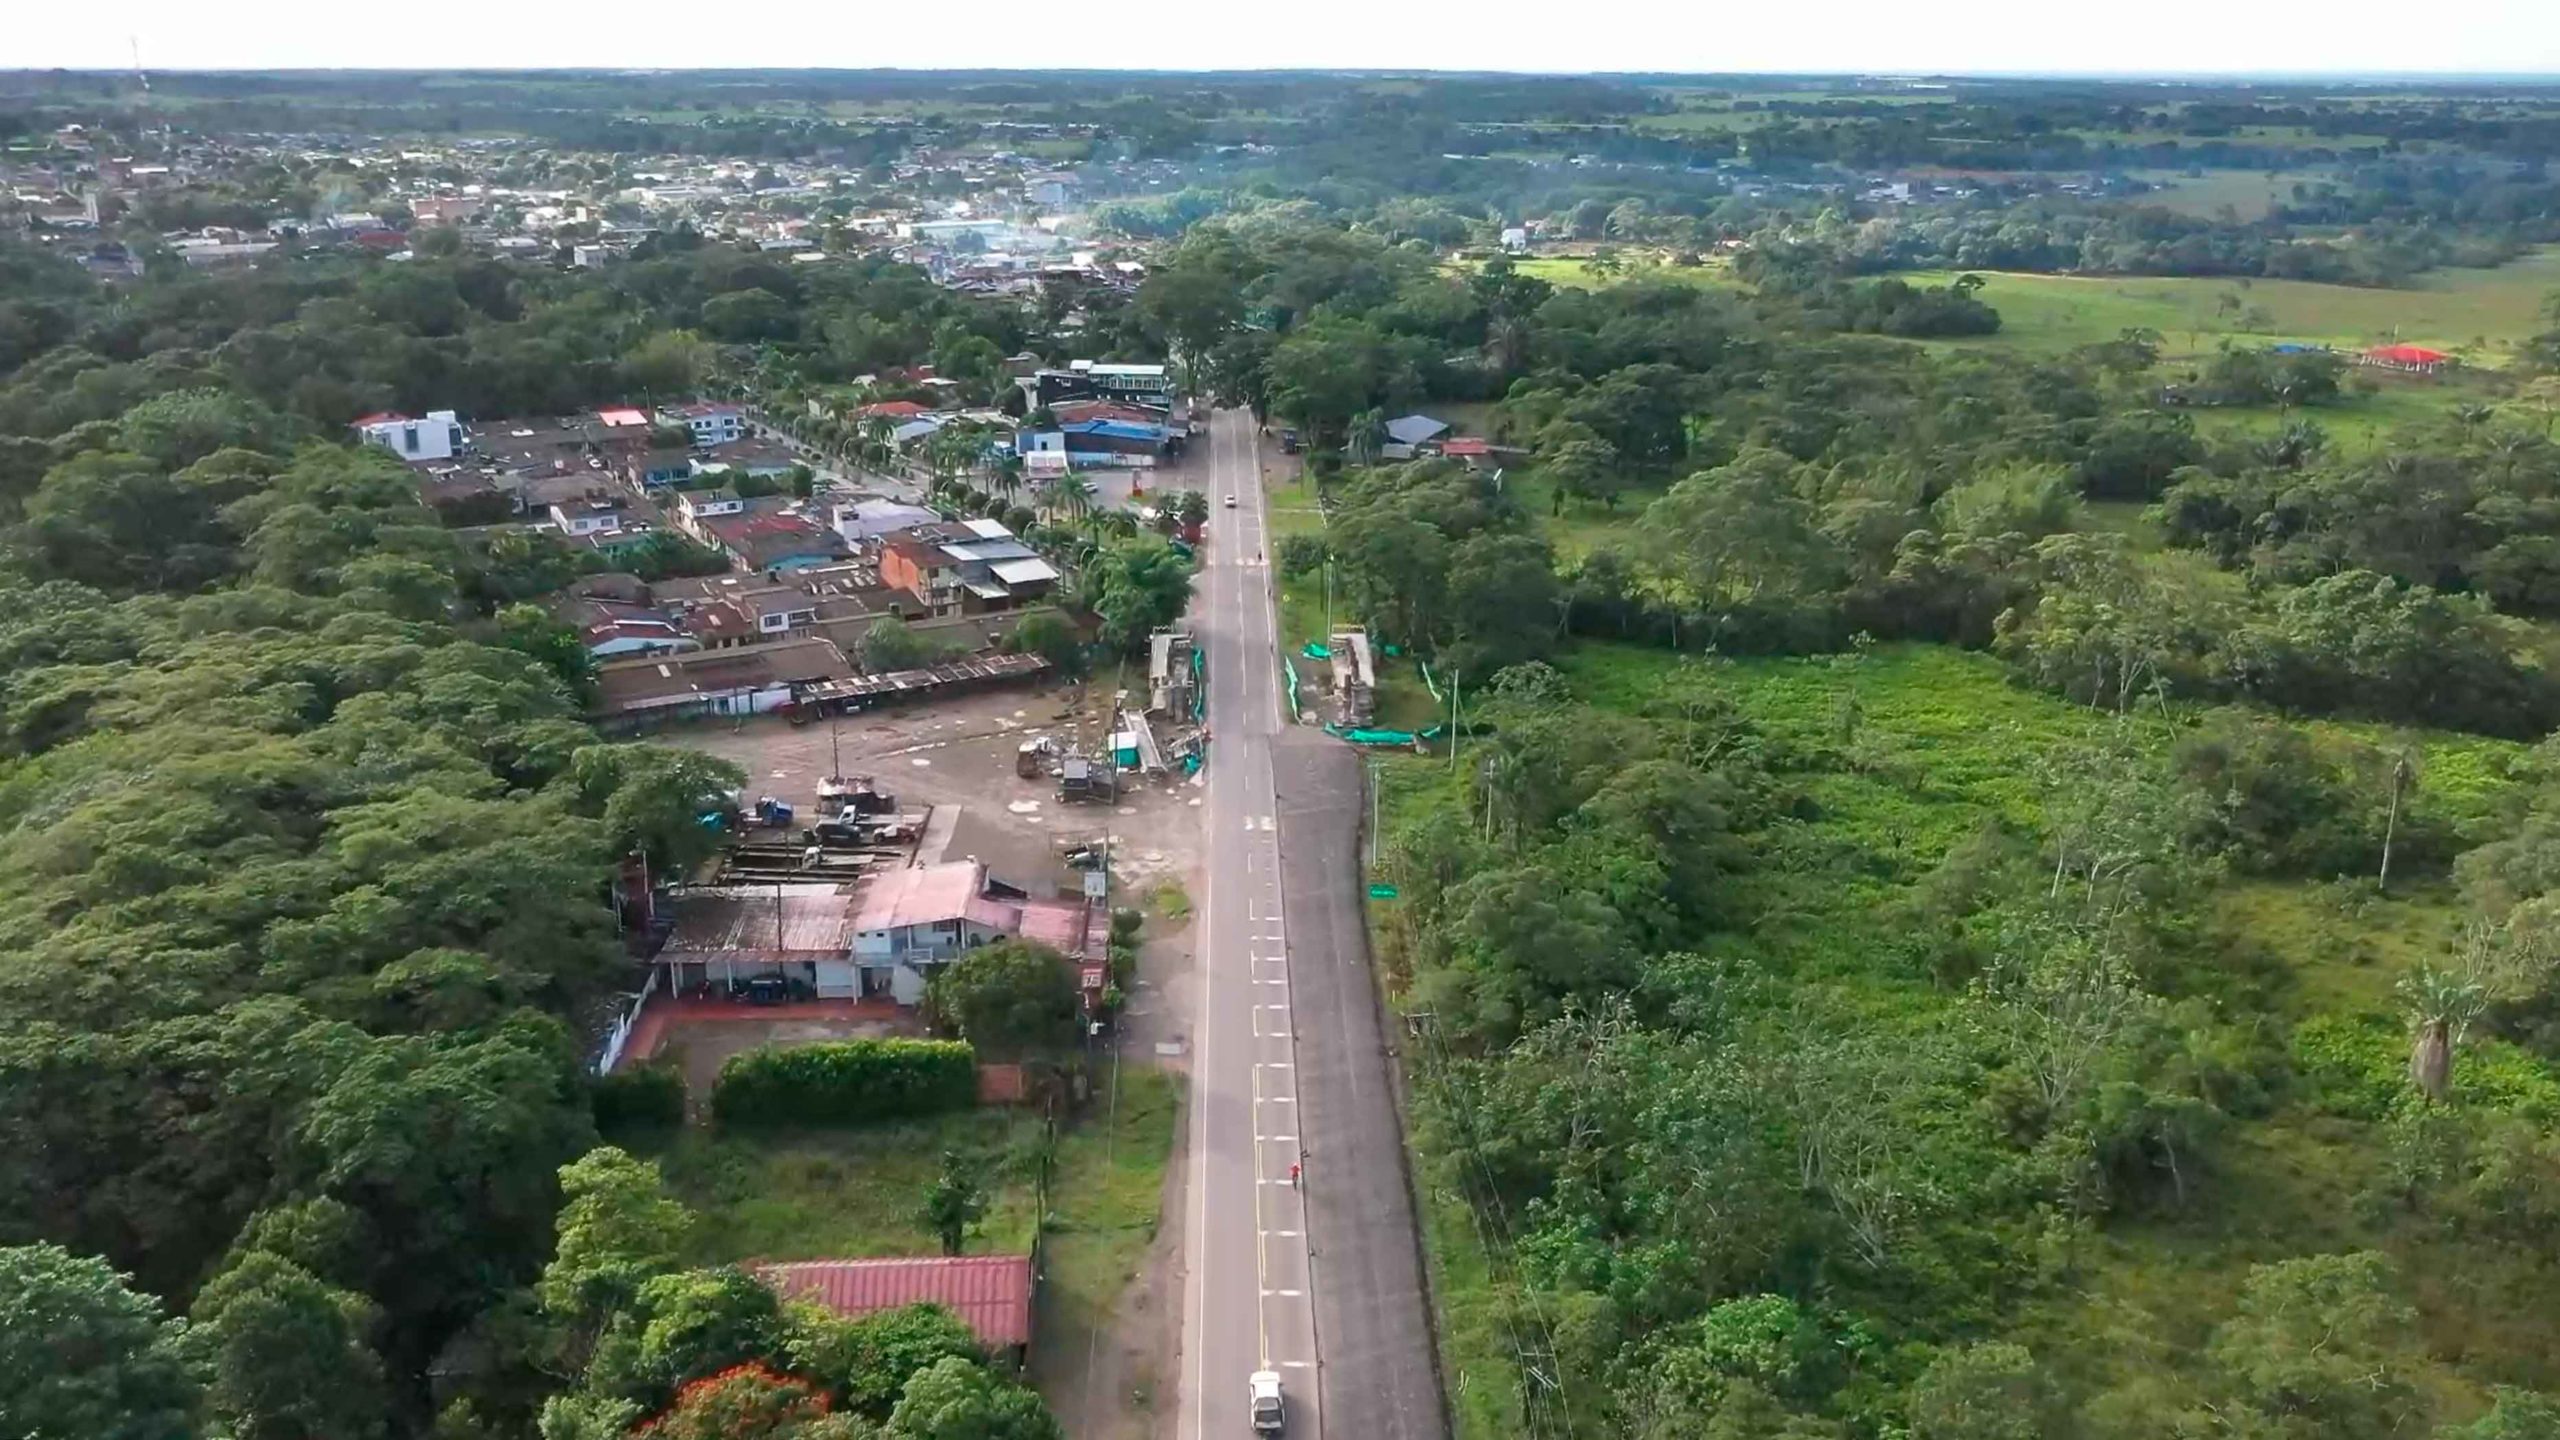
(1250, 1301)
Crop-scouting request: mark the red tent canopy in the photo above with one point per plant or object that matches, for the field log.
(2408, 354)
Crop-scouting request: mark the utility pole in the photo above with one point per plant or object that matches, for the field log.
(1373, 811)
(1453, 720)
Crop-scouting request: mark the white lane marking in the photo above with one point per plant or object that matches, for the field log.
(1274, 1064)
(1286, 1234)
(1297, 1365)
(1291, 1294)
(1279, 1099)
(1279, 1140)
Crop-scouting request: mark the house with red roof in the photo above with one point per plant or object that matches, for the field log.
(991, 1294)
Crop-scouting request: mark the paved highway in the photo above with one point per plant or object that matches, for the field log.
(1287, 1055)
(1249, 1302)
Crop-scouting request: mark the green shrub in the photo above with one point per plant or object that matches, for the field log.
(845, 1082)
(643, 1097)
(2356, 1065)
(1125, 924)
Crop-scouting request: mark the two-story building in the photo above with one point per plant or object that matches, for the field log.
(956, 567)
(695, 508)
(712, 423)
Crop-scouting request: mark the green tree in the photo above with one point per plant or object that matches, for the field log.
(952, 1399)
(652, 798)
(956, 1201)
(287, 1355)
(82, 1357)
(1009, 998)
(684, 1326)
(1585, 469)
(1502, 602)
(2513, 1415)
(618, 1229)
(2316, 1348)
(1134, 586)
(867, 1362)
(746, 316)
(893, 644)
(1048, 635)
(184, 426)
(668, 365)
(1992, 1391)
(531, 630)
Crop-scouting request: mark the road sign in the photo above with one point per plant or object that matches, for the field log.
(1382, 892)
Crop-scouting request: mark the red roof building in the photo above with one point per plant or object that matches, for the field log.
(990, 1293)
(2417, 358)
(896, 409)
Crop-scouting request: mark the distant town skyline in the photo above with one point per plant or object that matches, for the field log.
(2168, 39)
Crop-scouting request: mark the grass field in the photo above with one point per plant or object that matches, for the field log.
(2478, 315)
(858, 1192)
(2249, 193)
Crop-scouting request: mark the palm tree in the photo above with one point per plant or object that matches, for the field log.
(1367, 437)
(1069, 492)
(2442, 1004)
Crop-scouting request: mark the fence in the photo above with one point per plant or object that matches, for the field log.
(623, 1024)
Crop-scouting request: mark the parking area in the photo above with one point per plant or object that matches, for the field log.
(960, 757)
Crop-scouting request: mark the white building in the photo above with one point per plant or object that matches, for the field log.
(711, 424)
(579, 519)
(436, 436)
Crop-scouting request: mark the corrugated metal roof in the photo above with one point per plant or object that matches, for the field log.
(991, 1293)
(1024, 571)
(765, 920)
(921, 895)
(1414, 429)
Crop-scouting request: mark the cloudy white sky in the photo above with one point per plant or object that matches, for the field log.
(1984, 37)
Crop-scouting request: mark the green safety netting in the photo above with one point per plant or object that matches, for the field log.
(1382, 737)
(1428, 683)
(1290, 670)
(1315, 651)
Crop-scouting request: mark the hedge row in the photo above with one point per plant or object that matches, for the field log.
(845, 1082)
(643, 1097)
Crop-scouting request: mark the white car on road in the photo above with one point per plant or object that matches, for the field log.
(1269, 1412)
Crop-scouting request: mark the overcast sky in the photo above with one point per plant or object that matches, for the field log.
(1890, 36)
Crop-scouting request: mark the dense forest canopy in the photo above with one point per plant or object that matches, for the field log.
(306, 840)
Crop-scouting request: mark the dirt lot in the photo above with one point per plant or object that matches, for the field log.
(699, 1047)
(1107, 1383)
(961, 754)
